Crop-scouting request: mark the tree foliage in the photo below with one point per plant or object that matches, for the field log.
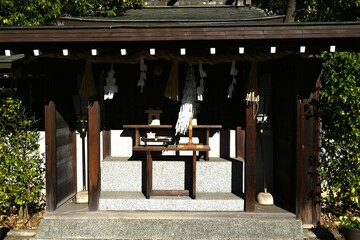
(314, 10)
(331, 10)
(272, 7)
(47, 12)
(339, 110)
(21, 164)
(106, 8)
(29, 12)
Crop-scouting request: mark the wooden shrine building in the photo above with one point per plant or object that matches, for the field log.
(278, 61)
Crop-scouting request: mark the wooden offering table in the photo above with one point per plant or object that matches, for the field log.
(137, 128)
(149, 169)
(207, 128)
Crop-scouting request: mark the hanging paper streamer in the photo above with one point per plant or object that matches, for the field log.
(233, 73)
(252, 93)
(143, 69)
(187, 108)
(200, 88)
(110, 88)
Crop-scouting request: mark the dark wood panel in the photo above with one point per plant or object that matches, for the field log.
(307, 202)
(64, 160)
(183, 32)
(64, 191)
(63, 153)
(64, 172)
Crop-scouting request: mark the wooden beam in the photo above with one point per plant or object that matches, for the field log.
(94, 156)
(50, 152)
(205, 31)
(250, 159)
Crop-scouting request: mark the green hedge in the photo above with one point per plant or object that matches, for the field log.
(339, 109)
(21, 163)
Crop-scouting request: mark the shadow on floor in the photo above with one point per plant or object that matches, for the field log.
(3, 232)
(323, 233)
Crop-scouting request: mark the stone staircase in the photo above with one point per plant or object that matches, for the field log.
(73, 221)
(217, 188)
(124, 212)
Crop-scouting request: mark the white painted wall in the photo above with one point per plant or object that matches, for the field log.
(121, 146)
(79, 161)
(42, 143)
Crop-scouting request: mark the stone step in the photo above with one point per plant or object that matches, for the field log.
(164, 225)
(216, 175)
(136, 201)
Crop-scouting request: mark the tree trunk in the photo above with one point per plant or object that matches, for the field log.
(290, 11)
(21, 212)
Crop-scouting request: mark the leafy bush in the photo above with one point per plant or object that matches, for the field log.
(21, 163)
(339, 109)
(350, 222)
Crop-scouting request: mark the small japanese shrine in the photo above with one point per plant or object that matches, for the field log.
(181, 101)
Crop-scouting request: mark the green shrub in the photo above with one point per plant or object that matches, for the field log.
(350, 222)
(339, 109)
(21, 163)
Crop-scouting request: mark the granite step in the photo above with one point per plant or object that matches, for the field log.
(136, 201)
(82, 224)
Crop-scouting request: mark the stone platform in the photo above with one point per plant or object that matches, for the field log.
(218, 183)
(74, 221)
(170, 172)
(125, 213)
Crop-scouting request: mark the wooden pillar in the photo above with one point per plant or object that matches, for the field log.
(106, 143)
(50, 153)
(240, 143)
(250, 159)
(94, 155)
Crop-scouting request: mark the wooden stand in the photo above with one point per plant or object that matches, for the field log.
(190, 132)
(207, 129)
(149, 169)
